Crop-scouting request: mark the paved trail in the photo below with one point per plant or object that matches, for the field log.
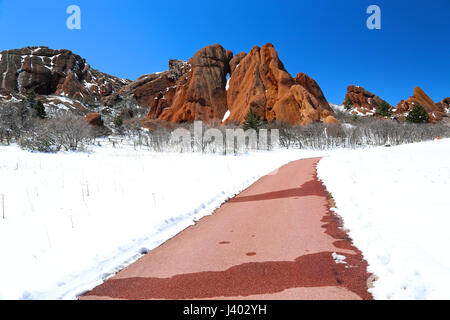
(275, 240)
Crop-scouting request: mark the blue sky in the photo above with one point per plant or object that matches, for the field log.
(326, 39)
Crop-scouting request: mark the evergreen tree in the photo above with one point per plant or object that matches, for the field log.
(252, 121)
(118, 121)
(418, 114)
(40, 109)
(384, 109)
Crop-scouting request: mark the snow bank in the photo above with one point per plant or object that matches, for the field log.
(74, 219)
(396, 204)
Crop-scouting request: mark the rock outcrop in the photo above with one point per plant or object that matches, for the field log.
(262, 83)
(54, 72)
(156, 90)
(444, 105)
(213, 83)
(234, 62)
(203, 95)
(362, 102)
(419, 98)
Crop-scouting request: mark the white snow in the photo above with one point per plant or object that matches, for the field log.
(396, 203)
(62, 103)
(352, 110)
(89, 85)
(337, 107)
(226, 116)
(339, 259)
(74, 219)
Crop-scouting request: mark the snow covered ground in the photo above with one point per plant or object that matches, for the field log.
(73, 219)
(396, 204)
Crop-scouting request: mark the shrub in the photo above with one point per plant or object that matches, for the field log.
(418, 114)
(40, 109)
(384, 109)
(67, 133)
(118, 122)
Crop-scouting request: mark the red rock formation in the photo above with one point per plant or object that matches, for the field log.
(186, 92)
(156, 90)
(262, 83)
(419, 98)
(362, 101)
(203, 96)
(234, 62)
(318, 98)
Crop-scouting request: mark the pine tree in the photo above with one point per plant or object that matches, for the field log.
(418, 114)
(40, 109)
(384, 109)
(252, 121)
(118, 121)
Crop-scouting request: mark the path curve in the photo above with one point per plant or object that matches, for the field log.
(276, 240)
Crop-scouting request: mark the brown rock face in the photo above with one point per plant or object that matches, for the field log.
(363, 101)
(203, 96)
(420, 98)
(317, 97)
(262, 83)
(234, 62)
(58, 72)
(94, 119)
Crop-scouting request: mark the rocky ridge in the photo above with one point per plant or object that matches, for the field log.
(212, 83)
(359, 101)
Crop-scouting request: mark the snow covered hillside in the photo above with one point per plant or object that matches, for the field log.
(396, 204)
(73, 219)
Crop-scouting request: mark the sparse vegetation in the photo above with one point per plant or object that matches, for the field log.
(65, 131)
(35, 133)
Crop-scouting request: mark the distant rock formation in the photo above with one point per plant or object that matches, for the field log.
(419, 97)
(362, 102)
(54, 72)
(211, 84)
(444, 105)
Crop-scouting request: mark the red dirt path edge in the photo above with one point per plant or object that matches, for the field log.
(356, 279)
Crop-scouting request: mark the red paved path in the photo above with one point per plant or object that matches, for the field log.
(275, 240)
